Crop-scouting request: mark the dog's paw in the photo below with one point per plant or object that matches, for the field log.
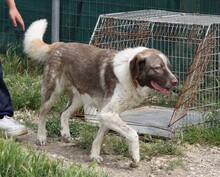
(136, 160)
(134, 165)
(98, 159)
(67, 139)
(42, 142)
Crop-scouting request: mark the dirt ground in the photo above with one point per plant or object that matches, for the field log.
(197, 161)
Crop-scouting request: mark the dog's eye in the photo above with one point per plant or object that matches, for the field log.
(158, 68)
(142, 63)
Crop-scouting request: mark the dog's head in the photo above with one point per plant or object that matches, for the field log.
(152, 68)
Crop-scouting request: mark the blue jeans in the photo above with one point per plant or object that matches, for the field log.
(5, 98)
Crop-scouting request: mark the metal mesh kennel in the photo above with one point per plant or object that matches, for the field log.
(191, 42)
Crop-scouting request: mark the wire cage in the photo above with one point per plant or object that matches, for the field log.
(191, 42)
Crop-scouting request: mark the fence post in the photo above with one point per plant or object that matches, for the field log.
(55, 27)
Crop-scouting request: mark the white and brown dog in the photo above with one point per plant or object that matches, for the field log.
(112, 81)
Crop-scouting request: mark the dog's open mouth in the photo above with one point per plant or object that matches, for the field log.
(162, 90)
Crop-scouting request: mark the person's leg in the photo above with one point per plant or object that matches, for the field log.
(7, 123)
(5, 99)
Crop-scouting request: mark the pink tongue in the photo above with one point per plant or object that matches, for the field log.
(159, 88)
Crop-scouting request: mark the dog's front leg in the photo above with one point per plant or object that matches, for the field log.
(97, 143)
(113, 121)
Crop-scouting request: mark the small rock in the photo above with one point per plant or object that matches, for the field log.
(192, 169)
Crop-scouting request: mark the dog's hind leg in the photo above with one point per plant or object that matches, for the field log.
(75, 103)
(97, 143)
(48, 97)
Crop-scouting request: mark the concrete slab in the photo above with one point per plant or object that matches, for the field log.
(154, 120)
(149, 120)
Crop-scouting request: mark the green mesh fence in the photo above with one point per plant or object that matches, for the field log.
(78, 17)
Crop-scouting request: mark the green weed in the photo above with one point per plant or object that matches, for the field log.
(22, 78)
(206, 133)
(115, 144)
(175, 163)
(159, 148)
(24, 90)
(20, 162)
(14, 62)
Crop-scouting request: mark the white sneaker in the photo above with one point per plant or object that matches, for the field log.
(11, 127)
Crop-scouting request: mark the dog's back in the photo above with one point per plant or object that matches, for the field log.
(85, 67)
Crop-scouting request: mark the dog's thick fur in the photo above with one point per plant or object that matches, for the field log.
(109, 80)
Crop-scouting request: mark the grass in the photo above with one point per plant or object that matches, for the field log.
(25, 91)
(174, 164)
(160, 148)
(14, 62)
(205, 134)
(201, 135)
(23, 80)
(20, 162)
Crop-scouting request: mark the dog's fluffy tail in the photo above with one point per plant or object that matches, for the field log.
(34, 45)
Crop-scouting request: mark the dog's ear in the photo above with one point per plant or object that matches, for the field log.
(136, 64)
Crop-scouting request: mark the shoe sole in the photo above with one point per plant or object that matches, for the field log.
(17, 133)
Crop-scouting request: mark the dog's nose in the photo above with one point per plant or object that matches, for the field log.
(173, 81)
